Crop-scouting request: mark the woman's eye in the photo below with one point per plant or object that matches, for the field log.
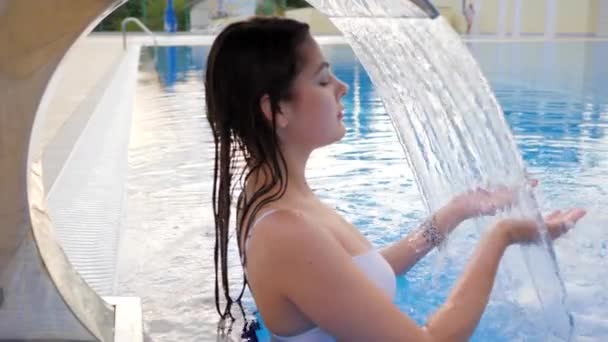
(324, 83)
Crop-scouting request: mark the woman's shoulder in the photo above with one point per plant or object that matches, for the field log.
(284, 226)
(287, 236)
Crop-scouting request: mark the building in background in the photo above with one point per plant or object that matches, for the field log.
(502, 18)
(200, 17)
(232, 8)
(549, 18)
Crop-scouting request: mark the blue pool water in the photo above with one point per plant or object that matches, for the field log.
(555, 98)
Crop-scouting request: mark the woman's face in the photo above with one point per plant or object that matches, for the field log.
(314, 112)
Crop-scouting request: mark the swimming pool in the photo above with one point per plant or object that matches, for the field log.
(555, 98)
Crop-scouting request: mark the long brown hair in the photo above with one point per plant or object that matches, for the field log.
(248, 60)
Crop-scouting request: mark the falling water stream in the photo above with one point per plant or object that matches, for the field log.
(453, 132)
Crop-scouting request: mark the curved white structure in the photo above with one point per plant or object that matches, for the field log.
(43, 298)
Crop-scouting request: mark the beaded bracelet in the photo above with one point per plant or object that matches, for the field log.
(431, 233)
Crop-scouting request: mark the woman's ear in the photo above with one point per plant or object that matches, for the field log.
(266, 107)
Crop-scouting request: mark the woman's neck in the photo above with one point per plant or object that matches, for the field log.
(294, 172)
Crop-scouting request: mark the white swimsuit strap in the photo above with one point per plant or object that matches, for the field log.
(258, 220)
(261, 217)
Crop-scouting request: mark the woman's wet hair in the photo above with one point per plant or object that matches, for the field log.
(248, 60)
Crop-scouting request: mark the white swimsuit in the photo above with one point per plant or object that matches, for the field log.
(372, 263)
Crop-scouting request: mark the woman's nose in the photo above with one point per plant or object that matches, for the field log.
(342, 88)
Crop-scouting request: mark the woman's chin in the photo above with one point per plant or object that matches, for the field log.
(342, 131)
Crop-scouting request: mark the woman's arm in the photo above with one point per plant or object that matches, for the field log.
(457, 318)
(405, 253)
(307, 266)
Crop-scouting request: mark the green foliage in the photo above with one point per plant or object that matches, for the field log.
(156, 13)
(278, 7)
(150, 12)
(266, 7)
(297, 3)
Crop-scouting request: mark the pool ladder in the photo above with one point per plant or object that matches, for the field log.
(141, 25)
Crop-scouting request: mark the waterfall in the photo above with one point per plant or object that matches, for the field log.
(452, 129)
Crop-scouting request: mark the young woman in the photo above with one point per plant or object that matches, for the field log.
(271, 100)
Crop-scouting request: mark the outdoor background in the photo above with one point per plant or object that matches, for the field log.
(501, 18)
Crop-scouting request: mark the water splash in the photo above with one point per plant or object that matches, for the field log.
(452, 129)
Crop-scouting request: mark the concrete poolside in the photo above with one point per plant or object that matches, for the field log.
(72, 95)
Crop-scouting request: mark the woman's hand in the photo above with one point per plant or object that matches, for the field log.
(482, 202)
(527, 231)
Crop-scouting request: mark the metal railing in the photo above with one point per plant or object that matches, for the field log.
(141, 25)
